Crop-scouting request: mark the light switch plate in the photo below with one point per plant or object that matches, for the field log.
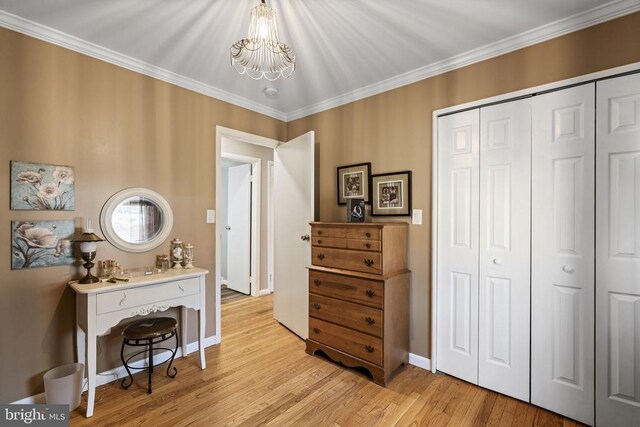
(416, 217)
(211, 216)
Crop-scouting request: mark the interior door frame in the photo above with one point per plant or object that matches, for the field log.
(586, 78)
(256, 186)
(248, 138)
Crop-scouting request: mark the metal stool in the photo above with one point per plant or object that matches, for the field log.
(148, 333)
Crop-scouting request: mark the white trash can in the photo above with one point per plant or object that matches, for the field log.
(63, 385)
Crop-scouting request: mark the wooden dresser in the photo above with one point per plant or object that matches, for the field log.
(359, 295)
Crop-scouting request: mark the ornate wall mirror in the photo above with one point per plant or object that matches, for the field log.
(136, 220)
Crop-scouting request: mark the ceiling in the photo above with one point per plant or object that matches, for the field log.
(345, 49)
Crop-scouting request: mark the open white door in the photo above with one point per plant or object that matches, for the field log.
(239, 229)
(294, 208)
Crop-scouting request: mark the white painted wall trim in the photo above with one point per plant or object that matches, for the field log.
(50, 35)
(270, 225)
(120, 372)
(264, 292)
(558, 28)
(420, 361)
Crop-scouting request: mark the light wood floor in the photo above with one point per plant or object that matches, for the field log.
(260, 375)
(229, 295)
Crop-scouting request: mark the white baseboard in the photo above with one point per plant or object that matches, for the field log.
(120, 372)
(224, 282)
(264, 292)
(419, 361)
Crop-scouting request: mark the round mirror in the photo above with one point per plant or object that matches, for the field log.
(136, 220)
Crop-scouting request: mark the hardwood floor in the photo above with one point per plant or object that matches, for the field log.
(229, 295)
(260, 375)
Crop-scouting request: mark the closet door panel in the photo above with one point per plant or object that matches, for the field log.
(504, 261)
(618, 251)
(457, 287)
(562, 274)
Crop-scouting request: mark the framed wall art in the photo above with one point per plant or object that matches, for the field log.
(39, 186)
(354, 182)
(391, 194)
(41, 243)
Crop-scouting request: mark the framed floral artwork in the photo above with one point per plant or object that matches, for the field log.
(41, 243)
(39, 186)
(354, 182)
(391, 194)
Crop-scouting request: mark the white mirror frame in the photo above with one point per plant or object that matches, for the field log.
(119, 197)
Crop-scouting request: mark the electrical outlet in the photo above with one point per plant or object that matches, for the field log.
(211, 216)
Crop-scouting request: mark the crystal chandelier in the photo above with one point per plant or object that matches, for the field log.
(262, 54)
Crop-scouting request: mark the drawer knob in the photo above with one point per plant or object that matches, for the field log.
(319, 242)
(368, 262)
(316, 306)
(370, 320)
(367, 245)
(320, 257)
(317, 282)
(369, 348)
(371, 293)
(367, 234)
(319, 232)
(316, 330)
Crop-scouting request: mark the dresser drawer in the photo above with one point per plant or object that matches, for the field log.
(354, 289)
(329, 242)
(347, 340)
(354, 316)
(367, 233)
(364, 245)
(367, 262)
(320, 231)
(127, 298)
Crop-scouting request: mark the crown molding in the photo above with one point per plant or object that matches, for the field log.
(597, 15)
(50, 35)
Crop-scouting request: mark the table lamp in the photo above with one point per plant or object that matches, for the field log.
(88, 247)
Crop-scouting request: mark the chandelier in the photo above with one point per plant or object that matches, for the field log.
(262, 54)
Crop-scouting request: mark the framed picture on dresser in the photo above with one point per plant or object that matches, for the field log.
(391, 194)
(354, 182)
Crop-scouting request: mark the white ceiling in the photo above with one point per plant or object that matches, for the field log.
(345, 49)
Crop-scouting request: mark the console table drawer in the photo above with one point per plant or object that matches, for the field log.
(367, 262)
(349, 341)
(343, 313)
(355, 289)
(126, 298)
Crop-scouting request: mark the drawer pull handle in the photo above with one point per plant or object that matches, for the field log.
(367, 245)
(367, 234)
(316, 330)
(317, 282)
(370, 320)
(124, 297)
(320, 257)
(368, 262)
(371, 293)
(181, 288)
(369, 348)
(316, 306)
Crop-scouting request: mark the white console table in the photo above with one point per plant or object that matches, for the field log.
(100, 306)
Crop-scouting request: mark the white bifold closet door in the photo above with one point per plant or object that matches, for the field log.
(458, 216)
(618, 252)
(505, 230)
(562, 272)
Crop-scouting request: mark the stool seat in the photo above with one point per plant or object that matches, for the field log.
(150, 328)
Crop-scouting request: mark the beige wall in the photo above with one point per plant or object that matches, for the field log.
(393, 130)
(119, 129)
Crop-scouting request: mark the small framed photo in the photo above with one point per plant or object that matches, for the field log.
(354, 182)
(391, 194)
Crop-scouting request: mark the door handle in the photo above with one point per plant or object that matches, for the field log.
(228, 227)
(306, 237)
(568, 269)
(497, 261)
